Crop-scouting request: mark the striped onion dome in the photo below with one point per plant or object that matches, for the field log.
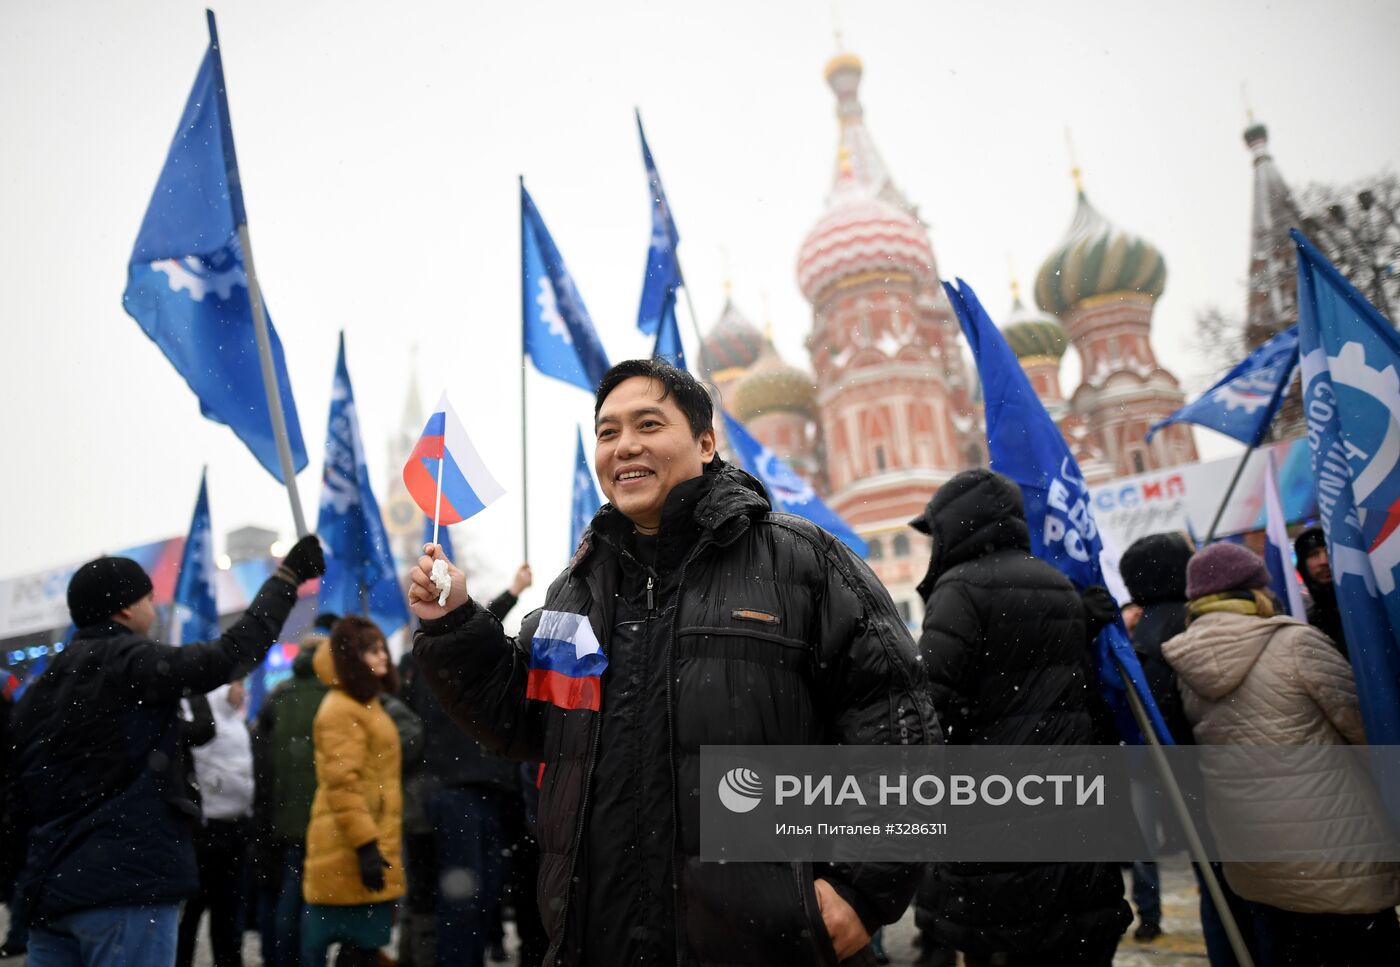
(860, 234)
(771, 385)
(733, 343)
(1031, 332)
(1097, 258)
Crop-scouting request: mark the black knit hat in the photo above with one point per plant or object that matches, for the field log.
(1308, 541)
(101, 588)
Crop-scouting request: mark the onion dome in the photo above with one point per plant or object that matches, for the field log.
(861, 233)
(1031, 332)
(733, 343)
(1097, 258)
(771, 386)
(869, 226)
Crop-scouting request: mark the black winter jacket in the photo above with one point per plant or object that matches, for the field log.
(450, 756)
(777, 635)
(1006, 645)
(100, 762)
(1154, 571)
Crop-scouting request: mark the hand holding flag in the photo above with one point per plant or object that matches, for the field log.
(425, 599)
(444, 475)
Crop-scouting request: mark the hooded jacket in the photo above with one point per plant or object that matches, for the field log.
(772, 633)
(224, 765)
(1154, 570)
(1005, 641)
(1247, 680)
(359, 796)
(1323, 612)
(102, 774)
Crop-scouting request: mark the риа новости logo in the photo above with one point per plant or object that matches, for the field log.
(740, 790)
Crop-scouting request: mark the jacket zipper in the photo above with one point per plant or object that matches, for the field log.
(671, 755)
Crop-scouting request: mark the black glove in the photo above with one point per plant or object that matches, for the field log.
(372, 866)
(1100, 610)
(305, 560)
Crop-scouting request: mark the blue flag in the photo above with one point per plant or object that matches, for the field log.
(663, 271)
(1242, 405)
(196, 614)
(586, 502)
(789, 493)
(1351, 396)
(1027, 446)
(1278, 549)
(186, 285)
(359, 576)
(668, 340)
(559, 335)
(444, 538)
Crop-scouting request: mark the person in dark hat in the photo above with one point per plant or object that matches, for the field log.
(99, 763)
(1310, 546)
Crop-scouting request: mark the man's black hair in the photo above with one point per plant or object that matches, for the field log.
(688, 392)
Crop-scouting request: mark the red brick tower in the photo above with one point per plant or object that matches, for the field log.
(1103, 283)
(896, 418)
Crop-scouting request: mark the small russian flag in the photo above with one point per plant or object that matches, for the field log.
(467, 486)
(566, 662)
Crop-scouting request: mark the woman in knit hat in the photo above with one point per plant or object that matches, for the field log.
(1252, 677)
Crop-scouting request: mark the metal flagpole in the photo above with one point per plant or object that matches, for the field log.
(524, 366)
(269, 375)
(240, 217)
(1193, 838)
(1229, 492)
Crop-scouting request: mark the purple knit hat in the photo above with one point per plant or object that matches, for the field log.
(1224, 567)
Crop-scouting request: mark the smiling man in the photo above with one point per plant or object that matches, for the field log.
(690, 615)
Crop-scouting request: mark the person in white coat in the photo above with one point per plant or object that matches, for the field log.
(224, 769)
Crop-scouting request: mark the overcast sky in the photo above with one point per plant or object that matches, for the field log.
(379, 145)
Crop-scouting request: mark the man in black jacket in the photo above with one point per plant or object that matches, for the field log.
(1310, 547)
(712, 620)
(101, 768)
(1006, 641)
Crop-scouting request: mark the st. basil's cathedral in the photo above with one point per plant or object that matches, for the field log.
(890, 410)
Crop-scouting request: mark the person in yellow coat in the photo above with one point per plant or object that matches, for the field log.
(353, 870)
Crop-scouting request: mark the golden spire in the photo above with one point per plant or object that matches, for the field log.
(843, 160)
(1075, 171)
(767, 316)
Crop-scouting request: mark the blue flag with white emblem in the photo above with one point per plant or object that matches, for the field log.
(196, 613)
(559, 335)
(360, 576)
(787, 491)
(668, 340)
(1242, 405)
(663, 275)
(1351, 398)
(586, 502)
(186, 284)
(1027, 446)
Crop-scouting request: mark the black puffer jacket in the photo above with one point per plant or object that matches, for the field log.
(1154, 571)
(778, 635)
(101, 764)
(1006, 646)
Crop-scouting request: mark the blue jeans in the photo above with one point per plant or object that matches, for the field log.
(1147, 892)
(468, 841)
(141, 936)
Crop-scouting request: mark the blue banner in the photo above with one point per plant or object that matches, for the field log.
(1351, 397)
(1242, 405)
(585, 502)
(360, 576)
(196, 613)
(668, 340)
(186, 283)
(559, 335)
(663, 275)
(787, 491)
(1027, 446)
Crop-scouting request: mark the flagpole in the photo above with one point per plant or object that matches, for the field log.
(437, 501)
(1193, 837)
(269, 372)
(1229, 492)
(524, 366)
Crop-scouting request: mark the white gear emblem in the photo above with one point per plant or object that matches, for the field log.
(1250, 393)
(549, 311)
(193, 276)
(1349, 368)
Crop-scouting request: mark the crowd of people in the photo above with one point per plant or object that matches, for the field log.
(552, 777)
